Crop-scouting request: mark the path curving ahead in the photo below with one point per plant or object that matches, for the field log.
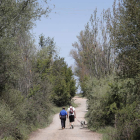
(54, 131)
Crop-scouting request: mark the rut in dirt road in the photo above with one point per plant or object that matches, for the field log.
(54, 131)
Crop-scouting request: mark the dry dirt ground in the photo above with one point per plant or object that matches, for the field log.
(54, 131)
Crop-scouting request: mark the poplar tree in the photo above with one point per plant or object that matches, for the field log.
(92, 52)
(127, 38)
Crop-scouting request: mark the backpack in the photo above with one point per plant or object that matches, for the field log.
(71, 110)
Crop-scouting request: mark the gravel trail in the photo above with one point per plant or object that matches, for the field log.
(54, 131)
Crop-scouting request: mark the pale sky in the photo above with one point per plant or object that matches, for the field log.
(66, 21)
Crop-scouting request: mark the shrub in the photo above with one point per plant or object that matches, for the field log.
(114, 103)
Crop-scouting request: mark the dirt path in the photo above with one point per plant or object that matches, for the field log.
(54, 131)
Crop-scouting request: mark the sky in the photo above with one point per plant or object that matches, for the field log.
(66, 21)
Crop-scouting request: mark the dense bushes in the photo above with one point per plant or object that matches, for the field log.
(19, 115)
(116, 104)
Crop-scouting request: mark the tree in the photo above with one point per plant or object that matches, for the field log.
(63, 82)
(55, 70)
(127, 37)
(17, 18)
(93, 57)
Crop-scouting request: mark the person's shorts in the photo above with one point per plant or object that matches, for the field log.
(71, 118)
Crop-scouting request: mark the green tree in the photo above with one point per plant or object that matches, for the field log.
(92, 52)
(126, 33)
(127, 37)
(63, 81)
(49, 43)
(16, 20)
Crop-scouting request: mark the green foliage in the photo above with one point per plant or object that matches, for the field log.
(6, 119)
(108, 133)
(16, 21)
(61, 95)
(93, 52)
(24, 93)
(54, 70)
(83, 86)
(49, 44)
(14, 116)
(127, 37)
(63, 81)
(129, 117)
(114, 103)
(98, 114)
(20, 115)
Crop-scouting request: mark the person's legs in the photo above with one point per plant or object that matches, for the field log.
(62, 123)
(71, 119)
(63, 119)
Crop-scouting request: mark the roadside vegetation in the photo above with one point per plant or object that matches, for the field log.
(36, 83)
(107, 56)
(33, 82)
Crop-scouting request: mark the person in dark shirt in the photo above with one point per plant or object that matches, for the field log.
(62, 116)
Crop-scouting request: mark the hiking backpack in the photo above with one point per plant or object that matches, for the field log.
(71, 110)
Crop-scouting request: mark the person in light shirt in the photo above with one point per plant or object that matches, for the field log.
(72, 115)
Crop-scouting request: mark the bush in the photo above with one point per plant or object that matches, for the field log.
(20, 115)
(7, 120)
(97, 103)
(114, 103)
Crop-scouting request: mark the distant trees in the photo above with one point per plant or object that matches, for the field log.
(92, 54)
(56, 71)
(63, 81)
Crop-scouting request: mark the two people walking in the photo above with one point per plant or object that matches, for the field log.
(71, 113)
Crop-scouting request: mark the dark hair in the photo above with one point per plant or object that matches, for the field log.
(70, 105)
